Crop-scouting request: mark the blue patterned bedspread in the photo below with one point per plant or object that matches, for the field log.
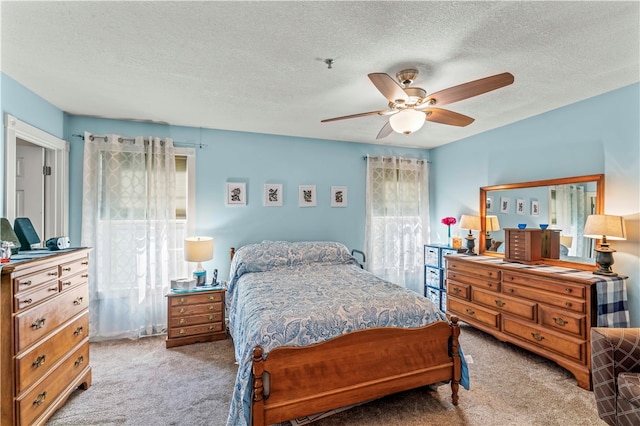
(297, 294)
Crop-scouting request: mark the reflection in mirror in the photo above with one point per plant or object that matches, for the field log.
(561, 205)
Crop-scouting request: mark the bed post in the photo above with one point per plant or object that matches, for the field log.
(232, 251)
(455, 353)
(257, 406)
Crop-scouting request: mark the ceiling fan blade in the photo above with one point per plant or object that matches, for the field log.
(471, 89)
(444, 116)
(389, 88)
(362, 114)
(385, 131)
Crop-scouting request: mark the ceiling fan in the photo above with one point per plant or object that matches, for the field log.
(410, 106)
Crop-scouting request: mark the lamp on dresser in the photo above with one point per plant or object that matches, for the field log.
(491, 225)
(605, 226)
(472, 223)
(198, 249)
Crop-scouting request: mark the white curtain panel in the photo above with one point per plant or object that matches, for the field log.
(128, 218)
(571, 214)
(397, 217)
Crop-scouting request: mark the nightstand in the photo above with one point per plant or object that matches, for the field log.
(195, 315)
(435, 287)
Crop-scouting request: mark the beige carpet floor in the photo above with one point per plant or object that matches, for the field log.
(141, 383)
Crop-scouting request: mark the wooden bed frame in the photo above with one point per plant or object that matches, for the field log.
(353, 368)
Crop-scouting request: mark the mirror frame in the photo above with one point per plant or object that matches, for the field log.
(598, 178)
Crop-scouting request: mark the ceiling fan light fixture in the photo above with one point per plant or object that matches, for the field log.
(407, 121)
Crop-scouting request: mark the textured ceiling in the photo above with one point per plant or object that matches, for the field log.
(258, 66)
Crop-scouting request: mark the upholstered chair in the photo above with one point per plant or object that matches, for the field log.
(615, 363)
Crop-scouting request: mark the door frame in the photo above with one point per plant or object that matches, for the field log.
(56, 192)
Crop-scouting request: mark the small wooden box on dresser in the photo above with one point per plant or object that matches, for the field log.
(547, 310)
(44, 321)
(195, 316)
(435, 287)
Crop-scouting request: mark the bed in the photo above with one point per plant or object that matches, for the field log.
(312, 331)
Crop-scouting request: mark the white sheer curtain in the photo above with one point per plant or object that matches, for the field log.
(568, 204)
(397, 217)
(128, 217)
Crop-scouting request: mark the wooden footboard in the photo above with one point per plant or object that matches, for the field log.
(356, 367)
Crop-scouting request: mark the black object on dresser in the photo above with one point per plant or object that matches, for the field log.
(435, 287)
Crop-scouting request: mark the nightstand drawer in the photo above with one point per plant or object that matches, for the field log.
(196, 309)
(182, 321)
(194, 298)
(195, 330)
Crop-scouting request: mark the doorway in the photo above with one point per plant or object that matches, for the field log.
(26, 146)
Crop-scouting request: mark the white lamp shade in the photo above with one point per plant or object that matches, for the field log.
(492, 224)
(604, 225)
(470, 222)
(198, 249)
(407, 121)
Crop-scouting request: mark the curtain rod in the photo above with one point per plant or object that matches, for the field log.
(397, 159)
(121, 139)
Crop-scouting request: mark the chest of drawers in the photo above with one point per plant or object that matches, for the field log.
(195, 316)
(550, 314)
(434, 277)
(523, 245)
(44, 320)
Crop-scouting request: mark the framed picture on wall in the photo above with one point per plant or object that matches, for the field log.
(338, 196)
(505, 204)
(307, 195)
(236, 194)
(273, 195)
(489, 204)
(535, 208)
(520, 209)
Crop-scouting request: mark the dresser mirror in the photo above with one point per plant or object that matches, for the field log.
(562, 204)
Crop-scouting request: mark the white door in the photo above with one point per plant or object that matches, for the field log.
(30, 162)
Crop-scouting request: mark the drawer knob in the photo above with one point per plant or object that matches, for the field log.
(211, 327)
(456, 290)
(182, 300)
(39, 323)
(67, 269)
(512, 290)
(39, 361)
(559, 321)
(53, 273)
(489, 285)
(499, 303)
(26, 282)
(212, 297)
(212, 317)
(85, 262)
(211, 308)
(470, 311)
(78, 301)
(568, 304)
(78, 331)
(40, 398)
(66, 283)
(85, 275)
(79, 361)
(182, 310)
(568, 290)
(183, 321)
(537, 336)
(183, 331)
(27, 301)
(54, 288)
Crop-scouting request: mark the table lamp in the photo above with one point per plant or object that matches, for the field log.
(605, 226)
(198, 249)
(491, 224)
(472, 223)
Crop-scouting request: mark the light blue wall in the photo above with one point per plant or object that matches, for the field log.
(598, 135)
(255, 159)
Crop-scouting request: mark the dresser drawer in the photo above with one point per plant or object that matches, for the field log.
(29, 282)
(26, 299)
(572, 304)
(456, 289)
(467, 310)
(67, 282)
(490, 273)
(73, 268)
(562, 320)
(557, 342)
(476, 281)
(35, 402)
(559, 287)
(37, 361)
(35, 323)
(195, 330)
(196, 309)
(193, 299)
(522, 308)
(181, 321)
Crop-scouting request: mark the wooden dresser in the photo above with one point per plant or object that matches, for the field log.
(195, 316)
(548, 310)
(44, 321)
